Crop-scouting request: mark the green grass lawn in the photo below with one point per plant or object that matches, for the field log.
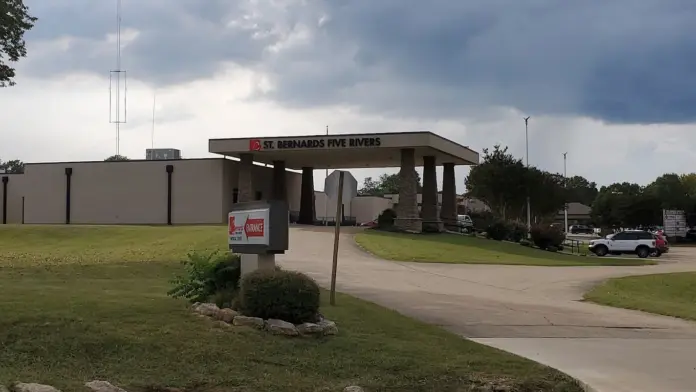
(460, 249)
(84, 303)
(668, 294)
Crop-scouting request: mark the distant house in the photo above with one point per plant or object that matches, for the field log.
(473, 205)
(578, 213)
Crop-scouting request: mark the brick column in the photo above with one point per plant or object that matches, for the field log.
(448, 212)
(280, 191)
(429, 211)
(407, 217)
(307, 215)
(245, 184)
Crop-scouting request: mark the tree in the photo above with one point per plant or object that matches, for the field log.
(499, 181)
(689, 182)
(14, 166)
(386, 184)
(14, 22)
(547, 192)
(117, 158)
(671, 192)
(627, 205)
(370, 187)
(581, 190)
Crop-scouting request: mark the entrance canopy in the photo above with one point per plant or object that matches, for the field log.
(346, 151)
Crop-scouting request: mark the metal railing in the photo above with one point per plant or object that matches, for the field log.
(574, 246)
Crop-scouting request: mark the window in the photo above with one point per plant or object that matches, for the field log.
(645, 236)
(620, 237)
(633, 236)
(259, 195)
(235, 195)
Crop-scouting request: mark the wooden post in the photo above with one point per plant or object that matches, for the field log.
(337, 233)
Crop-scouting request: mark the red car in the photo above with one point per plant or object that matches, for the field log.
(661, 245)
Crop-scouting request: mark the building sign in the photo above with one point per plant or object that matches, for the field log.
(675, 223)
(318, 143)
(248, 227)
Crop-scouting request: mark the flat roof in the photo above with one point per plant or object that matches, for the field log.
(346, 151)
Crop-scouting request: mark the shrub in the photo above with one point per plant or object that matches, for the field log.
(525, 243)
(278, 294)
(518, 231)
(498, 230)
(385, 220)
(208, 277)
(482, 219)
(552, 249)
(544, 236)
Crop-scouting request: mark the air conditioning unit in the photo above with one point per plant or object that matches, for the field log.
(160, 154)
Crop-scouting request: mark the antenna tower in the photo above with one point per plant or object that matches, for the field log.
(118, 86)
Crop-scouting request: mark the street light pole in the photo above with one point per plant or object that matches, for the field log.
(565, 185)
(526, 141)
(326, 196)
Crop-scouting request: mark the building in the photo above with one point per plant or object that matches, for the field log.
(578, 214)
(201, 191)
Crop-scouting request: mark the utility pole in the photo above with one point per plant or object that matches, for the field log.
(565, 185)
(526, 141)
(326, 198)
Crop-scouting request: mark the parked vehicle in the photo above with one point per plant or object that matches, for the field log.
(370, 223)
(580, 229)
(661, 245)
(640, 243)
(465, 222)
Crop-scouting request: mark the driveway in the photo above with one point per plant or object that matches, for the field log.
(531, 311)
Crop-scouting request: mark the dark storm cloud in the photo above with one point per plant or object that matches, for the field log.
(627, 61)
(177, 40)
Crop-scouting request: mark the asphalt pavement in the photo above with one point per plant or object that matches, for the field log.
(535, 312)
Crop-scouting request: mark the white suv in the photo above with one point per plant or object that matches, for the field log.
(641, 243)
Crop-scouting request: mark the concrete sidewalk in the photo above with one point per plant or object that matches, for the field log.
(531, 311)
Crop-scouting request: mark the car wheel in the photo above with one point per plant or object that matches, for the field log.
(601, 250)
(643, 252)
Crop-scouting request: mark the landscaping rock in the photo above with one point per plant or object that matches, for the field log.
(226, 315)
(280, 327)
(103, 386)
(309, 329)
(328, 327)
(353, 388)
(31, 387)
(209, 310)
(248, 321)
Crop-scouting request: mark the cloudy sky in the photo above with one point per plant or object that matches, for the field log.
(613, 83)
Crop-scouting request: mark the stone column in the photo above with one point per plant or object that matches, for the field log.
(429, 211)
(245, 184)
(448, 211)
(307, 197)
(407, 217)
(280, 191)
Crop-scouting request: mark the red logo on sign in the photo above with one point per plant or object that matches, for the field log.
(254, 145)
(254, 227)
(231, 226)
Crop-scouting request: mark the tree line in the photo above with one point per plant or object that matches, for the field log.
(503, 183)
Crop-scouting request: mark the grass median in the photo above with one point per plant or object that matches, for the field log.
(667, 294)
(84, 303)
(462, 249)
